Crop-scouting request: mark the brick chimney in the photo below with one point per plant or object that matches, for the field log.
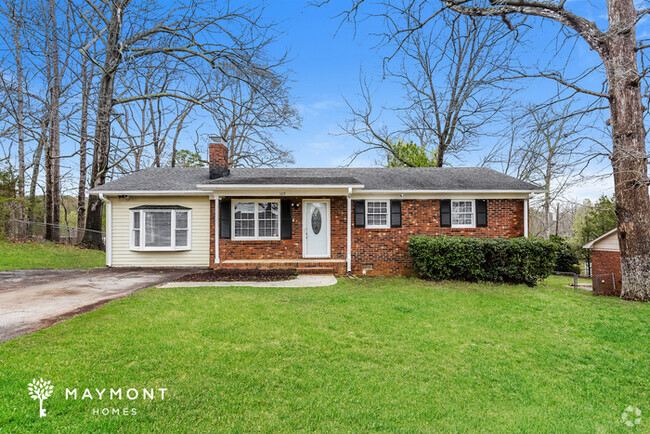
(218, 157)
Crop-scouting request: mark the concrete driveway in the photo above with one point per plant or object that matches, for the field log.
(31, 300)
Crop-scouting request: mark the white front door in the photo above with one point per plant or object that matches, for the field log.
(316, 229)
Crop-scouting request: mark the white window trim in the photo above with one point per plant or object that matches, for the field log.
(451, 213)
(388, 214)
(257, 219)
(172, 248)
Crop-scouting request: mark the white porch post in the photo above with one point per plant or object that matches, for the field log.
(526, 218)
(216, 229)
(349, 235)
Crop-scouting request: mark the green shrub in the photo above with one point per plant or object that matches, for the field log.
(567, 256)
(518, 260)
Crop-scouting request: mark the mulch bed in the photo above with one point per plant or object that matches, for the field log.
(239, 275)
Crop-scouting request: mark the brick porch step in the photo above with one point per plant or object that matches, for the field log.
(315, 270)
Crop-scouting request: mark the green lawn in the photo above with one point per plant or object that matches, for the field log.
(15, 256)
(367, 354)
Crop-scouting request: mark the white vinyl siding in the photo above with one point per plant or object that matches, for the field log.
(608, 243)
(198, 231)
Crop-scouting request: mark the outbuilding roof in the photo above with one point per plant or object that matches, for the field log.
(182, 179)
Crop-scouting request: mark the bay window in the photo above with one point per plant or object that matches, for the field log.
(256, 220)
(160, 228)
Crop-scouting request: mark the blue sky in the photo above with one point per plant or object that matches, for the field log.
(326, 66)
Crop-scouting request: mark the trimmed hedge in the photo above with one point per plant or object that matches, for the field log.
(517, 260)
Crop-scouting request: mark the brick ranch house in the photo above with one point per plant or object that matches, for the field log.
(343, 220)
(606, 274)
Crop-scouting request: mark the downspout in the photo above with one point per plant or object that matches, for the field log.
(109, 230)
(348, 258)
(526, 218)
(216, 229)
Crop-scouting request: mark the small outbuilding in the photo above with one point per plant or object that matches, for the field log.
(606, 263)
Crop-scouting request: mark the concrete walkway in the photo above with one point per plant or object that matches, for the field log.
(302, 281)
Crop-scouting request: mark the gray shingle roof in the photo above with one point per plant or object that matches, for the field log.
(396, 179)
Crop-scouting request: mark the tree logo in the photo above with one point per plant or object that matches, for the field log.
(631, 416)
(40, 390)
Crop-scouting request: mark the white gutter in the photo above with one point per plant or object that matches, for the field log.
(449, 191)
(109, 229)
(153, 193)
(348, 257)
(216, 229)
(274, 186)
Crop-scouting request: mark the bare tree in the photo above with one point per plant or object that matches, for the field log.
(247, 117)
(450, 77)
(196, 35)
(16, 18)
(53, 199)
(148, 126)
(618, 49)
(547, 148)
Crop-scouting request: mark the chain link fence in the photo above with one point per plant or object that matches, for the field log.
(36, 231)
(606, 284)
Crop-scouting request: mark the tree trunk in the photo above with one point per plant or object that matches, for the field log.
(54, 178)
(92, 237)
(48, 193)
(16, 23)
(55, 148)
(36, 165)
(83, 143)
(629, 160)
(548, 176)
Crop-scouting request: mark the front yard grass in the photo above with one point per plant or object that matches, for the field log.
(33, 254)
(367, 354)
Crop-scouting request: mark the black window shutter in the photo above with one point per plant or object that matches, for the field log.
(445, 213)
(481, 213)
(395, 213)
(285, 219)
(224, 219)
(359, 214)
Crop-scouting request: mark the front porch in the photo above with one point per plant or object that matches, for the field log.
(306, 232)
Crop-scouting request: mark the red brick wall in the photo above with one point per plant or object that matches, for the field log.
(287, 249)
(385, 249)
(604, 264)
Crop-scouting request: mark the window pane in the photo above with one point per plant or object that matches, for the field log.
(244, 210)
(136, 220)
(158, 229)
(136, 238)
(181, 219)
(181, 238)
(462, 212)
(268, 214)
(377, 213)
(244, 219)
